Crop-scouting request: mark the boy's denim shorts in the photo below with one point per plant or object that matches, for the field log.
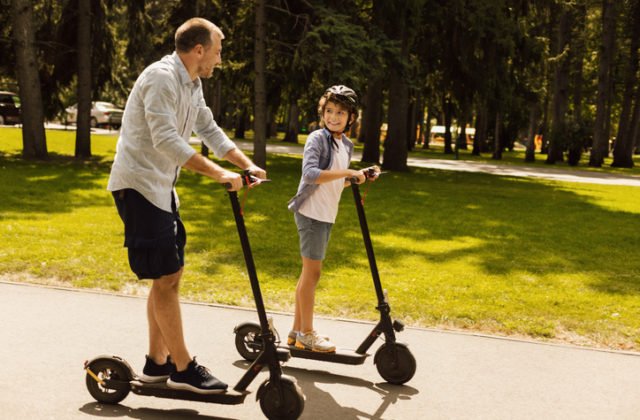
(314, 236)
(154, 238)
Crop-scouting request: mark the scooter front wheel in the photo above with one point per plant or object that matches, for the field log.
(395, 363)
(108, 370)
(286, 406)
(248, 341)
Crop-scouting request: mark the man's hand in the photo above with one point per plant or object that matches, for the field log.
(257, 171)
(232, 178)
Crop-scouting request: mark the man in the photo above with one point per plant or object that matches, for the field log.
(164, 107)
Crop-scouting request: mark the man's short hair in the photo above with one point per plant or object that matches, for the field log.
(195, 31)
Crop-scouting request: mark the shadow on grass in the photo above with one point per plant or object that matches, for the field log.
(511, 224)
(516, 224)
(57, 185)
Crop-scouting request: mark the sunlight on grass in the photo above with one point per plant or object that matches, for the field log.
(521, 257)
(433, 247)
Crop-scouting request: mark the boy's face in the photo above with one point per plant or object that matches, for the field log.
(335, 117)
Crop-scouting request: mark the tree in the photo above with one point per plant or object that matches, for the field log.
(260, 93)
(33, 136)
(623, 148)
(600, 148)
(404, 18)
(372, 101)
(83, 130)
(560, 101)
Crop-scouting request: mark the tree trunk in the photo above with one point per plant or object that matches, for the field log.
(530, 153)
(448, 118)
(411, 124)
(83, 124)
(578, 51)
(600, 148)
(293, 125)
(480, 136)
(241, 123)
(623, 149)
(371, 122)
(260, 104)
(395, 145)
(497, 138)
(560, 102)
(34, 142)
(461, 141)
(426, 139)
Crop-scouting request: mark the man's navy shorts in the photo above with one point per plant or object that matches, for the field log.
(154, 238)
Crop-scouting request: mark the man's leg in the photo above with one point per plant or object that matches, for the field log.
(158, 350)
(165, 321)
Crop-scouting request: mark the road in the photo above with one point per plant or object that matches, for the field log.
(47, 334)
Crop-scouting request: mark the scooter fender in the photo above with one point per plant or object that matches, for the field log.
(377, 356)
(265, 384)
(246, 324)
(113, 359)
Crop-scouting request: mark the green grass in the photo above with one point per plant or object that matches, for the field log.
(514, 256)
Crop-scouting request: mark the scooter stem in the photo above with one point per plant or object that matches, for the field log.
(248, 258)
(367, 242)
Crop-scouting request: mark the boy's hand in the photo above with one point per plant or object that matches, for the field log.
(372, 172)
(359, 175)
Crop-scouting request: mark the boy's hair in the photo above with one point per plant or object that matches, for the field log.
(343, 96)
(193, 32)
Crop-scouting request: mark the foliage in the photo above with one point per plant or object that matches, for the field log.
(492, 61)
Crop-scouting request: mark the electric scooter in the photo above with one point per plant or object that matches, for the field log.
(110, 378)
(394, 361)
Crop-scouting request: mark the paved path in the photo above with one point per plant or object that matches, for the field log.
(48, 333)
(569, 175)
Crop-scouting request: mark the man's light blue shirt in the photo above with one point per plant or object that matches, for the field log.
(164, 107)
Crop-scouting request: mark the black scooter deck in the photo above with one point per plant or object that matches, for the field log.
(161, 390)
(344, 356)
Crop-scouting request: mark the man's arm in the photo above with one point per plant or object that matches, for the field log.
(241, 160)
(204, 166)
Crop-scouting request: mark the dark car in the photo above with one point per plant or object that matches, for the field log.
(9, 108)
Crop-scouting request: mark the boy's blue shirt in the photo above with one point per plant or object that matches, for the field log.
(316, 158)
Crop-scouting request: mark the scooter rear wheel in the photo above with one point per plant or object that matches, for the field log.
(248, 341)
(107, 370)
(290, 407)
(395, 363)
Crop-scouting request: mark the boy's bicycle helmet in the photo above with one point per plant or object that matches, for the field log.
(342, 95)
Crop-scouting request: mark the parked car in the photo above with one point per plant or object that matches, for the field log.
(9, 108)
(102, 114)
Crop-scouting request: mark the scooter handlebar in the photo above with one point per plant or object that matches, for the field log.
(369, 173)
(247, 179)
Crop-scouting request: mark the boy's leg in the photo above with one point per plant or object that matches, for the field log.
(305, 294)
(165, 309)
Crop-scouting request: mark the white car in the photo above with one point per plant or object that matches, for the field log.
(102, 113)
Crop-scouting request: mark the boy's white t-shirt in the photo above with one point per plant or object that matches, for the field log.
(323, 204)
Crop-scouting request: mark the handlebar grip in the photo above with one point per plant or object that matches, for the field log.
(247, 179)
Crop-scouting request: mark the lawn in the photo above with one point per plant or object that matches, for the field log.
(511, 256)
